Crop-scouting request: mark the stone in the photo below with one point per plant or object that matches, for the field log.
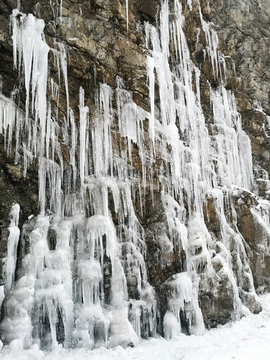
(100, 50)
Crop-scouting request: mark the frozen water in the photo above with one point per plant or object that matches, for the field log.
(83, 278)
(13, 240)
(127, 13)
(243, 340)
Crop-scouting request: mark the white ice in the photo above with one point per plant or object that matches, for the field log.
(127, 13)
(246, 339)
(13, 239)
(178, 132)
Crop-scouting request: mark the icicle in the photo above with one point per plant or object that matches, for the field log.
(189, 2)
(230, 140)
(182, 298)
(73, 146)
(29, 43)
(15, 36)
(13, 239)
(164, 29)
(9, 118)
(87, 273)
(83, 126)
(61, 55)
(151, 78)
(127, 13)
(57, 13)
(2, 295)
(211, 44)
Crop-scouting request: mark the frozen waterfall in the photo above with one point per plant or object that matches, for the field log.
(82, 278)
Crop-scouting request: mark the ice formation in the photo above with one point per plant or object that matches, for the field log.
(13, 239)
(83, 279)
(127, 13)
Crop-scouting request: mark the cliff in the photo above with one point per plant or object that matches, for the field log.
(134, 168)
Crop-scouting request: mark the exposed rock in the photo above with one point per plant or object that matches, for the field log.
(257, 238)
(100, 47)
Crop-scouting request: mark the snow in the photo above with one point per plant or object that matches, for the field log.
(245, 339)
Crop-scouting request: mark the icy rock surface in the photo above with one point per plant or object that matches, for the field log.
(84, 277)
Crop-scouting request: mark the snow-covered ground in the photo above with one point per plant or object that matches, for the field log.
(247, 339)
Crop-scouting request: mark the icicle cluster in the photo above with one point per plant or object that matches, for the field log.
(84, 273)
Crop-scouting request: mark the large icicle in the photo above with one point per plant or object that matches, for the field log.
(31, 47)
(83, 126)
(232, 145)
(127, 13)
(13, 239)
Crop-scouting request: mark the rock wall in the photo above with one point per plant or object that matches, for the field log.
(100, 49)
(94, 46)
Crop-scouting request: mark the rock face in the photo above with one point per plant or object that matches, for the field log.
(134, 137)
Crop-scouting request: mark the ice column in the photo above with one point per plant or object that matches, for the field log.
(13, 239)
(183, 308)
(54, 282)
(28, 41)
(9, 120)
(230, 143)
(83, 124)
(127, 13)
